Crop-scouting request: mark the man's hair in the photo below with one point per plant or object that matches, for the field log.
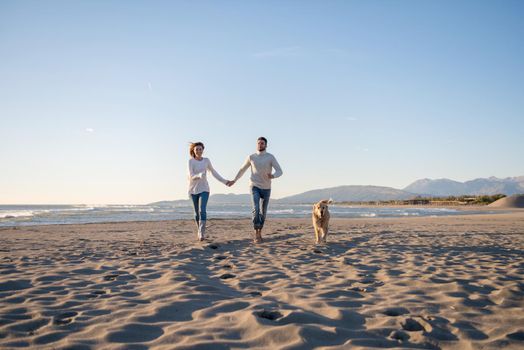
(192, 146)
(263, 139)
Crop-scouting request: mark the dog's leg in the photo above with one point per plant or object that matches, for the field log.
(324, 234)
(317, 235)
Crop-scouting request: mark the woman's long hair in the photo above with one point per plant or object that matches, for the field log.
(192, 146)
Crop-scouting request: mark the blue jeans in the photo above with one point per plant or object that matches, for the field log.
(200, 205)
(258, 194)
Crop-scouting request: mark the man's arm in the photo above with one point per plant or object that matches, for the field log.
(243, 169)
(278, 169)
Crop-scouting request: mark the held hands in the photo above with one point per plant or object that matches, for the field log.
(230, 183)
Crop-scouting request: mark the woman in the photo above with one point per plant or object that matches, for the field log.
(198, 186)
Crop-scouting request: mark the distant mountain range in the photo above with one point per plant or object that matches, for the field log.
(348, 193)
(424, 187)
(446, 187)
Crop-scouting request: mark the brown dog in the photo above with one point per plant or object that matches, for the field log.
(320, 218)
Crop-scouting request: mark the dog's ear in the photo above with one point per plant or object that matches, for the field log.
(326, 201)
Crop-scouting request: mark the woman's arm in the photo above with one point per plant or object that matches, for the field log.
(216, 175)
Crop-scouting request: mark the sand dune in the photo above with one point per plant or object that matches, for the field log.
(425, 283)
(515, 201)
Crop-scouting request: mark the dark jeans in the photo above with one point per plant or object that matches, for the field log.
(199, 205)
(259, 216)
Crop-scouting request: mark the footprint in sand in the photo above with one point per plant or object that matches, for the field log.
(399, 335)
(269, 315)
(367, 280)
(121, 276)
(395, 311)
(97, 293)
(110, 277)
(64, 318)
(411, 325)
(226, 276)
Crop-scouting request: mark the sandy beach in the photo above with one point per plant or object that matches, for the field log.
(452, 282)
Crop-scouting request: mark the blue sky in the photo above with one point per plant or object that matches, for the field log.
(99, 99)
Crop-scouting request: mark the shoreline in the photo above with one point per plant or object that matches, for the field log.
(475, 209)
(497, 212)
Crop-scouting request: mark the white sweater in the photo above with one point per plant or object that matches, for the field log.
(197, 175)
(262, 164)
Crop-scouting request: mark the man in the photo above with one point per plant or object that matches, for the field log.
(262, 164)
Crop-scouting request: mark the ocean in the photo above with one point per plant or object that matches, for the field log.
(24, 215)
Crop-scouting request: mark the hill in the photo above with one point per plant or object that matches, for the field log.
(481, 186)
(515, 201)
(348, 194)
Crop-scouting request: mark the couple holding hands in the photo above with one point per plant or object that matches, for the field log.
(261, 163)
